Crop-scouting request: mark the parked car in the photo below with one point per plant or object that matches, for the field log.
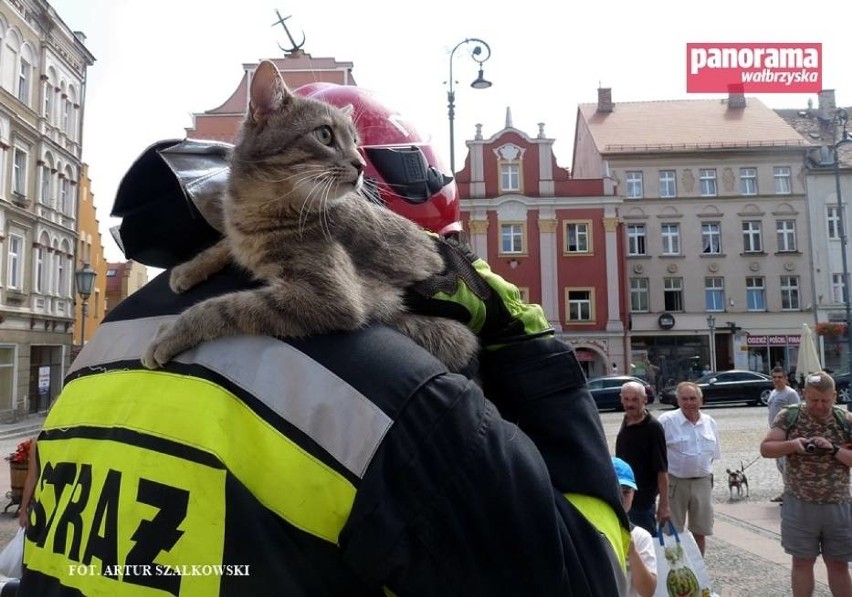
(841, 384)
(729, 386)
(607, 390)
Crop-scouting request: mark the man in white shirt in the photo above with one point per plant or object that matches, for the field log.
(692, 442)
(782, 396)
(641, 557)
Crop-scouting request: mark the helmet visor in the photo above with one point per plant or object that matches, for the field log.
(407, 173)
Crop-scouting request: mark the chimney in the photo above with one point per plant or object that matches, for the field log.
(827, 104)
(736, 97)
(605, 99)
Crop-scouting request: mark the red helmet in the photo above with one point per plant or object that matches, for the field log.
(400, 164)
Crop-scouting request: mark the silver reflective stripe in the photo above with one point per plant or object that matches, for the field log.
(297, 388)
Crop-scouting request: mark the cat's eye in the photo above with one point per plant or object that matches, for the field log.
(324, 134)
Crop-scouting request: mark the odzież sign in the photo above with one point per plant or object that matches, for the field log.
(773, 340)
(753, 68)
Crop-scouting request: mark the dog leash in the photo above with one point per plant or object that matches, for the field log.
(743, 468)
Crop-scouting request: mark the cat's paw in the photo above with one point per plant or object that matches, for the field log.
(160, 351)
(182, 278)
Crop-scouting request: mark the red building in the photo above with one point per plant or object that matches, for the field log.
(554, 236)
(297, 68)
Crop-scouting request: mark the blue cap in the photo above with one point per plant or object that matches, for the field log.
(624, 473)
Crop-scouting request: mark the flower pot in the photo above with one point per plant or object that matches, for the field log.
(17, 477)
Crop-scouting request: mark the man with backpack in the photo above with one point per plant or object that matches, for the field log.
(816, 514)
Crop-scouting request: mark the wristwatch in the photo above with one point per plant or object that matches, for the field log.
(834, 449)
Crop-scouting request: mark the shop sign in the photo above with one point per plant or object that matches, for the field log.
(666, 321)
(777, 340)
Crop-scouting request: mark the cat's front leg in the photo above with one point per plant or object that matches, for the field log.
(199, 268)
(450, 341)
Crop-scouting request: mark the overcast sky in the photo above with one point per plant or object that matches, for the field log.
(159, 61)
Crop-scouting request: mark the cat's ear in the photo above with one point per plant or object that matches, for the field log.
(348, 110)
(268, 92)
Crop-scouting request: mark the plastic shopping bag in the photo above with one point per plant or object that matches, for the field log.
(681, 571)
(12, 556)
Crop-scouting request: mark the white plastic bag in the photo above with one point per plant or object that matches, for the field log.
(679, 552)
(12, 556)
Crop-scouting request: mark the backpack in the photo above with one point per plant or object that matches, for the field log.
(838, 412)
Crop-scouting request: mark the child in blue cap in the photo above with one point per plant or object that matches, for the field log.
(641, 558)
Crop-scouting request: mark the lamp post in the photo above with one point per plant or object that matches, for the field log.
(841, 118)
(479, 83)
(711, 323)
(85, 281)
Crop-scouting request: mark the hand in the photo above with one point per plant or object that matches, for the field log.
(800, 445)
(663, 514)
(468, 291)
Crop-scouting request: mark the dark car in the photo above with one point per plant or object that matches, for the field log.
(729, 386)
(607, 390)
(841, 384)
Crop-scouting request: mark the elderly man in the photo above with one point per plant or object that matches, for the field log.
(782, 395)
(693, 443)
(641, 442)
(816, 515)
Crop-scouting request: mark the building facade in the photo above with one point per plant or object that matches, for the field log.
(821, 129)
(42, 96)
(123, 278)
(715, 230)
(90, 250)
(552, 235)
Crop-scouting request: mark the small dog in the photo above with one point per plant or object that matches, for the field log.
(737, 479)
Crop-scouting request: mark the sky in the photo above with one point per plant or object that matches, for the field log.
(157, 62)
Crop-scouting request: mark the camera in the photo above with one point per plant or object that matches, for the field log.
(812, 448)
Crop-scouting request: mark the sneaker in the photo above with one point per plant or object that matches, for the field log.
(778, 498)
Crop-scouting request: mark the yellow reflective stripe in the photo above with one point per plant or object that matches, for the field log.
(301, 489)
(601, 516)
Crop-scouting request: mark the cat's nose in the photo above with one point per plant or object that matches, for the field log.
(358, 165)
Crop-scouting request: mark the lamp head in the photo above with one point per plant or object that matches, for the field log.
(85, 279)
(481, 82)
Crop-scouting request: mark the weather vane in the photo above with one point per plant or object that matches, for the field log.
(296, 48)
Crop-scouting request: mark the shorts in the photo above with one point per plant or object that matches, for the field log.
(809, 529)
(692, 499)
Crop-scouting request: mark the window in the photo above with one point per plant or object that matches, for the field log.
(751, 237)
(837, 289)
(671, 239)
(45, 185)
(707, 182)
(786, 230)
(15, 264)
(24, 78)
(668, 188)
(19, 172)
(748, 181)
(755, 294)
(789, 293)
(711, 239)
(48, 101)
(39, 269)
(636, 239)
(673, 294)
(833, 223)
(111, 273)
(510, 177)
(639, 295)
(64, 188)
(714, 294)
(524, 293)
(511, 238)
(634, 185)
(579, 305)
(782, 180)
(61, 272)
(7, 374)
(578, 237)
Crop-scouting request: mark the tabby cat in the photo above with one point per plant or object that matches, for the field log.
(330, 259)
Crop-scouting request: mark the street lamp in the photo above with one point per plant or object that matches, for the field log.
(841, 118)
(85, 281)
(479, 83)
(711, 323)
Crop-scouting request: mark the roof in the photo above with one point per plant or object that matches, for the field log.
(687, 125)
(817, 130)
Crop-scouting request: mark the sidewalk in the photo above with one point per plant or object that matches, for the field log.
(23, 427)
(744, 554)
